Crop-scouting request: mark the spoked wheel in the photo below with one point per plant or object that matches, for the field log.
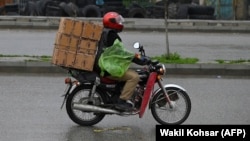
(80, 95)
(167, 115)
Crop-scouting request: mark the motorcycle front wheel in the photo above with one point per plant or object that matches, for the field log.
(80, 95)
(175, 115)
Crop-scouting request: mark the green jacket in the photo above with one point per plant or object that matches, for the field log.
(115, 59)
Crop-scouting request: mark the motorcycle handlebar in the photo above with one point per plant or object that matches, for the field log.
(147, 60)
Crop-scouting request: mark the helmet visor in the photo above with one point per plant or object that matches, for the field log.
(119, 19)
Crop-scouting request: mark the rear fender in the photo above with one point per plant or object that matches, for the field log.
(75, 85)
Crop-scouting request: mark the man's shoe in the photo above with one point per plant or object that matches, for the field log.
(122, 105)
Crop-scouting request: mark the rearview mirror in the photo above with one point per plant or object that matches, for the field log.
(137, 45)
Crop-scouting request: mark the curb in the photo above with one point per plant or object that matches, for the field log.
(172, 69)
(36, 22)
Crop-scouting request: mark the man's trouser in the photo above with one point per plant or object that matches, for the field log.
(132, 78)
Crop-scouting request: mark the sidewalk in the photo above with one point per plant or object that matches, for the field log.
(20, 65)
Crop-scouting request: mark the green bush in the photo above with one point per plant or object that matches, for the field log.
(175, 58)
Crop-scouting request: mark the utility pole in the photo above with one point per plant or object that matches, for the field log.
(166, 28)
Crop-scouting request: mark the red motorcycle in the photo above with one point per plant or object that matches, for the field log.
(90, 97)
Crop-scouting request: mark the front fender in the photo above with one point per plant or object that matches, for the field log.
(165, 87)
(169, 86)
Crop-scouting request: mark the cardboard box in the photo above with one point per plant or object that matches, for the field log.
(88, 44)
(65, 41)
(87, 51)
(98, 32)
(84, 61)
(62, 39)
(92, 31)
(54, 56)
(76, 44)
(66, 26)
(77, 29)
(60, 47)
(73, 43)
(59, 57)
(70, 59)
(63, 57)
(87, 30)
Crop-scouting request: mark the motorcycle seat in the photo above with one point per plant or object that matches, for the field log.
(106, 80)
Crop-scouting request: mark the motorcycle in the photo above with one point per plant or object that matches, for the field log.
(89, 97)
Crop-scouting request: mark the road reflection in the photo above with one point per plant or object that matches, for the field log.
(109, 133)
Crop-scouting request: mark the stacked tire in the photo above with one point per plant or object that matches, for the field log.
(60, 8)
(42, 8)
(137, 12)
(177, 9)
(201, 12)
(115, 5)
(56, 8)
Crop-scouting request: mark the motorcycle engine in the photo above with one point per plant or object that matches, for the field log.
(137, 96)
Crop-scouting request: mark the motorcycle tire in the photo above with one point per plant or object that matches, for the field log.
(29, 9)
(40, 7)
(71, 9)
(164, 114)
(78, 116)
(137, 13)
(91, 11)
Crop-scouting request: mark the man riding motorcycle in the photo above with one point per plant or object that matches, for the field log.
(92, 95)
(113, 59)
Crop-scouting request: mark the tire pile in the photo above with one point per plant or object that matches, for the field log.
(201, 12)
(181, 9)
(80, 8)
(59, 8)
(177, 9)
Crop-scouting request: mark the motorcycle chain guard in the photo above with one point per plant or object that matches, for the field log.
(147, 93)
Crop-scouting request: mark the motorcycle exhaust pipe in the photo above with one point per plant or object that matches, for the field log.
(92, 108)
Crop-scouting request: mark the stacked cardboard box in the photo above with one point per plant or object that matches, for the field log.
(76, 44)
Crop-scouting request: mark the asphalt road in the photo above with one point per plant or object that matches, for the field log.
(207, 47)
(30, 109)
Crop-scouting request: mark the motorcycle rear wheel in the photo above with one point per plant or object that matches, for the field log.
(80, 95)
(166, 115)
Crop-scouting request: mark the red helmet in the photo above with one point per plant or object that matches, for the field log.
(113, 20)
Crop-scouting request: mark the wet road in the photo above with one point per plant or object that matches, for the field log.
(205, 46)
(30, 109)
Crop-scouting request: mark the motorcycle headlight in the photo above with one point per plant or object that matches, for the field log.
(162, 69)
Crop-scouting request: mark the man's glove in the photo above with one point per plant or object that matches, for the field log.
(141, 60)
